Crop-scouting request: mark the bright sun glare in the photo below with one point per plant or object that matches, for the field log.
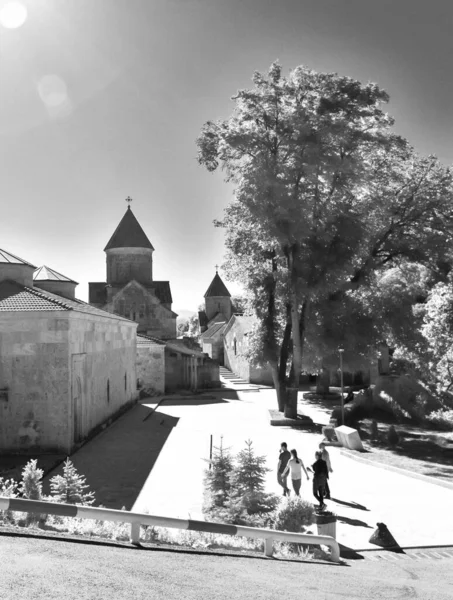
(13, 15)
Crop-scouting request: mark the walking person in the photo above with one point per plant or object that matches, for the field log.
(320, 472)
(326, 457)
(282, 463)
(295, 466)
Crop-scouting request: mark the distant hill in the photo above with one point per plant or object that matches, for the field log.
(184, 314)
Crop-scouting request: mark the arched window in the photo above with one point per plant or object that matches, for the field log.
(235, 346)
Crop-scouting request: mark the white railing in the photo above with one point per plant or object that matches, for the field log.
(137, 519)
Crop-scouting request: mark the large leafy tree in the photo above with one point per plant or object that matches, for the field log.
(325, 197)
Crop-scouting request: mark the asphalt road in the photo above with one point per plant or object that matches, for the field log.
(50, 569)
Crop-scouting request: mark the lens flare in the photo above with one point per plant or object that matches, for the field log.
(13, 15)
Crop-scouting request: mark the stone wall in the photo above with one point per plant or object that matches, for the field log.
(142, 306)
(125, 264)
(151, 366)
(20, 273)
(64, 374)
(35, 377)
(235, 345)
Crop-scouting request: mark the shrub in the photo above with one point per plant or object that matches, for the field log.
(392, 436)
(294, 514)
(70, 488)
(31, 484)
(8, 489)
(442, 418)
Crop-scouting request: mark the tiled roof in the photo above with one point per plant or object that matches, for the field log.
(176, 346)
(217, 288)
(97, 293)
(213, 330)
(7, 257)
(47, 274)
(147, 340)
(162, 291)
(17, 298)
(129, 234)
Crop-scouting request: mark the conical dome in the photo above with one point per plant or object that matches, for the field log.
(129, 234)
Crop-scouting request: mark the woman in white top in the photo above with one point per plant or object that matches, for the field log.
(295, 465)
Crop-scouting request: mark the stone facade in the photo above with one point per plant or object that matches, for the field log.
(235, 344)
(151, 364)
(187, 368)
(62, 373)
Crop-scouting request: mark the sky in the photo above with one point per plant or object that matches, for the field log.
(104, 99)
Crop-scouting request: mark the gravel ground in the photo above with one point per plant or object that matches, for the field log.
(51, 569)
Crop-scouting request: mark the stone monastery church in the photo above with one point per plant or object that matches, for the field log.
(130, 290)
(68, 367)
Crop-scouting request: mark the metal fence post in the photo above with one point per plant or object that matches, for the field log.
(268, 547)
(135, 533)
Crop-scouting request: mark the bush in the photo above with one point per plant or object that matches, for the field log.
(294, 514)
(31, 484)
(8, 489)
(442, 418)
(392, 436)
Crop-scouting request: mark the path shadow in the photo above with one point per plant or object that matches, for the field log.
(117, 462)
(189, 401)
(350, 504)
(354, 522)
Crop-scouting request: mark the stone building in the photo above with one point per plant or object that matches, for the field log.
(130, 290)
(235, 338)
(65, 367)
(214, 318)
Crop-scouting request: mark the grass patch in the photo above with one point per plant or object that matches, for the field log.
(426, 452)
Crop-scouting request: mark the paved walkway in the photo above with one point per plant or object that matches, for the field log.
(117, 462)
(364, 494)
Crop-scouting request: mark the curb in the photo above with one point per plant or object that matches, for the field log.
(425, 478)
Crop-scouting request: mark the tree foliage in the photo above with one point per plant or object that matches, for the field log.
(70, 487)
(327, 199)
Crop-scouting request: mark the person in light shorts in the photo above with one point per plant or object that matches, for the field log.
(295, 467)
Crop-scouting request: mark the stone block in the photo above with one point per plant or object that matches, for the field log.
(349, 438)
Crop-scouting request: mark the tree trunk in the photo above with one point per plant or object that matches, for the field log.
(293, 385)
(280, 387)
(323, 381)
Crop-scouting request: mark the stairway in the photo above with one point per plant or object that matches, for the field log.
(230, 379)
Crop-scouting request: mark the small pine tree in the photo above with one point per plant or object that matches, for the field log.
(70, 488)
(217, 479)
(248, 475)
(31, 484)
(247, 495)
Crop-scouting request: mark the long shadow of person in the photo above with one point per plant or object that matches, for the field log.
(354, 522)
(350, 504)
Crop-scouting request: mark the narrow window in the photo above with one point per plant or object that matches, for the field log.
(125, 381)
(108, 390)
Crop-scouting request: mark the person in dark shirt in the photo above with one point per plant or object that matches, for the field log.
(282, 463)
(320, 473)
